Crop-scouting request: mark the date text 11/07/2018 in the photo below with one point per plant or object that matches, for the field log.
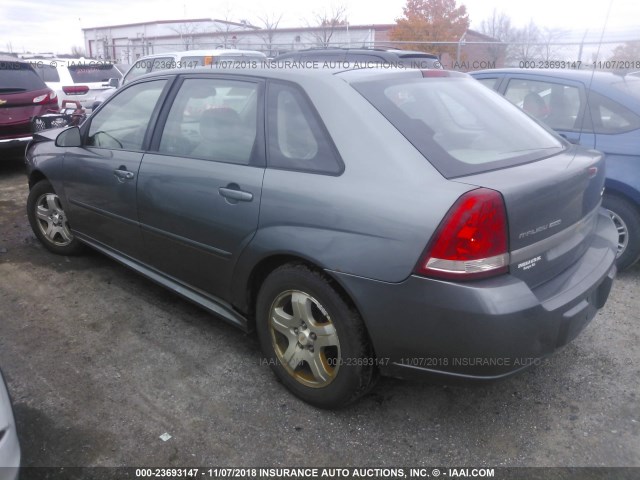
(314, 472)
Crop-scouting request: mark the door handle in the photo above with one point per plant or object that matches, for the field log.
(123, 174)
(235, 194)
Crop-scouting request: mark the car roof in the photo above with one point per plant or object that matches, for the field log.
(293, 74)
(567, 74)
(11, 58)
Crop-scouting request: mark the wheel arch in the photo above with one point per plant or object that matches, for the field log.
(263, 268)
(35, 177)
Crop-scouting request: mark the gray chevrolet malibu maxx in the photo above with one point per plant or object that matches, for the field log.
(364, 222)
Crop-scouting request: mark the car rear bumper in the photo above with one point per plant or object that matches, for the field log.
(485, 329)
(15, 142)
(9, 446)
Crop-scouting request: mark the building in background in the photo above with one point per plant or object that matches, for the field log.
(127, 43)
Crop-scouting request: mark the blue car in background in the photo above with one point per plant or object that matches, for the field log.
(599, 110)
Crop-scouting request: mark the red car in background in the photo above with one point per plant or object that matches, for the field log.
(23, 94)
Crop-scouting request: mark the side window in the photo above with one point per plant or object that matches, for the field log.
(139, 68)
(214, 120)
(297, 140)
(48, 73)
(555, 104)
(609, 117)
(492, 83)
(123, 121)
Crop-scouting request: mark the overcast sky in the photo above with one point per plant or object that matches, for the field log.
(45, 26)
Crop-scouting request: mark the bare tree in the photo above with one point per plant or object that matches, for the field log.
(527, 46)
(498, 26)
(224, 27)
(325, 24)
(549, 37)
(269, 24)
(77, 51)
(187, 31)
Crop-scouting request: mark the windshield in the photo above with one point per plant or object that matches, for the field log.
(459, 125)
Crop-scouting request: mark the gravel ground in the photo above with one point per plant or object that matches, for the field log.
(101, 362)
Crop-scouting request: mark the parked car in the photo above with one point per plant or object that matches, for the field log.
(183, 60)
(404, 222)
(76, 79)
(22, 96)
(364, 56)
(599, 110)
(9, 445)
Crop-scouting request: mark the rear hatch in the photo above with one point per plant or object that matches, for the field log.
(551, 206)
(551, 189)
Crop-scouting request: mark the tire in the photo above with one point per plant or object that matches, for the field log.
(49, 221)
(320, 352)
(627, 220)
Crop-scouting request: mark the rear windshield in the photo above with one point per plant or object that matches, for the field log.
(459, 125)
(93, 73)
(18, 77)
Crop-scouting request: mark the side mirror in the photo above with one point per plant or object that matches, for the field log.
(69, 138)
(113, 82)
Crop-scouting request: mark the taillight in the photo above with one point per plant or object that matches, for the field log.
(75, 90)
(46, 98)
(438, 72)
(435, 73)
(471, 242)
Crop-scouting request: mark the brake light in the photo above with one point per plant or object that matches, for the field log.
(471, 242)
(46, 98)
(75, 90)
(435, 73)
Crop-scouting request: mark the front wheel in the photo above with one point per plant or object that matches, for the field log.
(49, 221)
(313, 339)
(627, 221)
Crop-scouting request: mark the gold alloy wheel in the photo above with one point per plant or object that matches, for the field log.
(304, 338)
(52, 221)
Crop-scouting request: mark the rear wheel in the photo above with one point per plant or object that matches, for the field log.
(49, 220)
(627, 221)
(314, 341)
